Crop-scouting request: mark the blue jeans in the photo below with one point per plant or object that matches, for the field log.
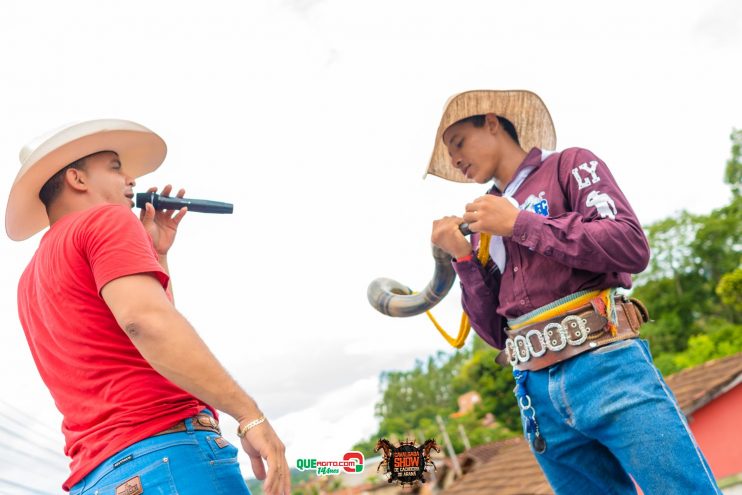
(607, 415)
(184, 463)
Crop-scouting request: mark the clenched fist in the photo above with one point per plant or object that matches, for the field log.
(491, 214)
(447, 236)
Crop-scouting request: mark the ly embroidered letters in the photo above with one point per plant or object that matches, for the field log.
(590, 167)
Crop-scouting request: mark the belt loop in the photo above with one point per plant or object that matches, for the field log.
(189, 425)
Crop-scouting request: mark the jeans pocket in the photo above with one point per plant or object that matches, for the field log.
(151, 478)
(222, 457)
(220, 451)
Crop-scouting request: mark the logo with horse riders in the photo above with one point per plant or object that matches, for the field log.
(406, 463)
(352, 462)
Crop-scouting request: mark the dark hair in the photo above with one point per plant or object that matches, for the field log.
(480, 120)
(50, 190)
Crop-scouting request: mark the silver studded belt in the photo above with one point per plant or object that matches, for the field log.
(543, 344)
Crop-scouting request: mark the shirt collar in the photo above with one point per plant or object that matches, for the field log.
(532, 159)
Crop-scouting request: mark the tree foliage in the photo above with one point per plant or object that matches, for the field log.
(494, 383)
(421, 393)
(692, 286)
(729, 291)
(412, 399)
(733, 172)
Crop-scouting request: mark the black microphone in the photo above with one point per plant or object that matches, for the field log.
(464, 228)
(175, 203)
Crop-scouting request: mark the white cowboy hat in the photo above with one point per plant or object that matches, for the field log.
(524, 109)
(140, 150)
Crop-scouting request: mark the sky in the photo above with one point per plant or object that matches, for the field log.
(316, 118)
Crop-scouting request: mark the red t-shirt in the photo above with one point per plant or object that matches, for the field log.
(109, 395)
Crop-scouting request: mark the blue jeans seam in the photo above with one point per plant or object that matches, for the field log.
(641, 395)
(193, 463)
(556, 384)
(92, 482)
(710, 478)
(157, 462)
(207, 457)
(567, 407)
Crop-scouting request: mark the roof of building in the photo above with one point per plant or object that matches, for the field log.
(695, 387)
(512, 470)
(483, 453)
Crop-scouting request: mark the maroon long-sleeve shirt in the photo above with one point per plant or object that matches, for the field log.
(575, 231)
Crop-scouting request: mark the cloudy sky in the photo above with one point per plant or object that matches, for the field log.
(316, 119)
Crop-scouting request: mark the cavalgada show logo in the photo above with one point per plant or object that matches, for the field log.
(352, 462)
(407, 463)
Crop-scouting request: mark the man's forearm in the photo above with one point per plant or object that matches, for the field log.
(171, 345)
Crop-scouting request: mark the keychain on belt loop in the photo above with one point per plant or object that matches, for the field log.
(524, 401)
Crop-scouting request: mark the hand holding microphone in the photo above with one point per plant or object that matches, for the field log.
(164, 213)
(161, 202)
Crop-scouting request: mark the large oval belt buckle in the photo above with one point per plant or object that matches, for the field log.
(521, 348)
(541, 343)
(510, 349)
(575, 325)
(555, 336)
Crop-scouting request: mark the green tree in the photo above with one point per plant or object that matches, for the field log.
(493, 383)
(733, 172)
(724, 339)
(694, 258)
(729, 291)
(420, 393)
(409, 398)
(671, 286)
(412, 399)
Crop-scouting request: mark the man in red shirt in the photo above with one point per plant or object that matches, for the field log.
(137, 387)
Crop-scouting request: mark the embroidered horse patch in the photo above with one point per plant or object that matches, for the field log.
(604, 204)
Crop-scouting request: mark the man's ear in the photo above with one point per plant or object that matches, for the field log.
(493, 125)
(75, 178)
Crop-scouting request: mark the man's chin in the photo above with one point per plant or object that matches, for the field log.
(479, 177)
(484, 178)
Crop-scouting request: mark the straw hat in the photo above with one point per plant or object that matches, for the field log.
(523, 108)
(140, 150)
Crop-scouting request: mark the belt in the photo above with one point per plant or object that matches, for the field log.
(201, 422)
(546, 343)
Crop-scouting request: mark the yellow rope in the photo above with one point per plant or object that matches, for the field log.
(608, 310)
(482, 255)
(557, 310)
(465, 326)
